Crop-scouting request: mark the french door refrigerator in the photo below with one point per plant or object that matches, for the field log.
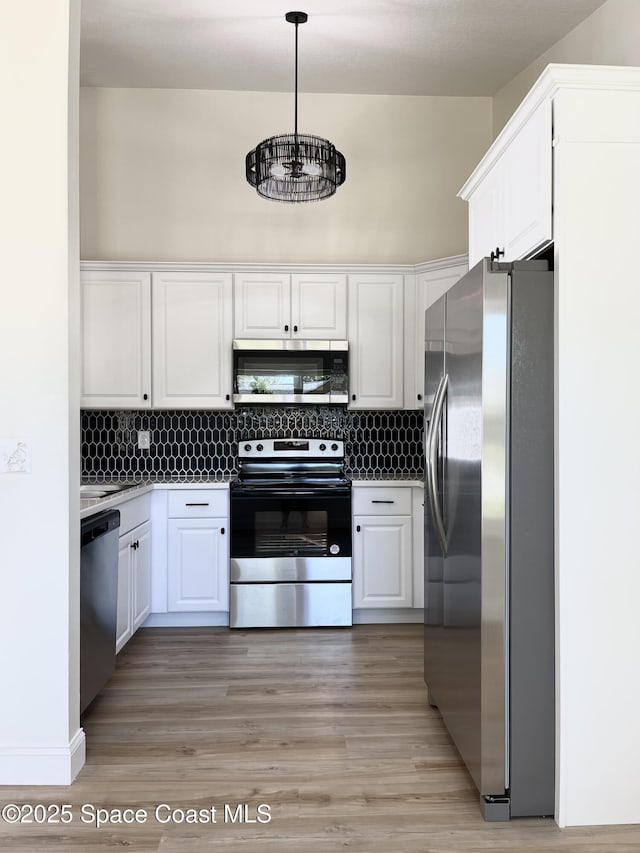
(489, 614)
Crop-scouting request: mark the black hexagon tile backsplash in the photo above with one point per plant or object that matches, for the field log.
(202, 445)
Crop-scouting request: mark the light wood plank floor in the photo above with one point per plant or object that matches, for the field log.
(330, 728)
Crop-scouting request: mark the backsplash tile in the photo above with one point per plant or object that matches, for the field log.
(201, 444)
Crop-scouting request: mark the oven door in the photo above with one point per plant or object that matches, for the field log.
(289, 534)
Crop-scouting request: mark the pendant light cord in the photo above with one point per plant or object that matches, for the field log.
(295, 123)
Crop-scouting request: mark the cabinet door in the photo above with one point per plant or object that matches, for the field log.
(116, 340)
(192, 322)
(319, 307)
(511, 208)
(198, 576)
(262, 305)
(124, 624)
(376, 341)
(429, 287)
(382, 562)
(527, 187)
(141, 575)
(486, 217)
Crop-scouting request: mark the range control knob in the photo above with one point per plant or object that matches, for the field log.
(334, 446)
(247, 447)
(322, 447)
(259, 447)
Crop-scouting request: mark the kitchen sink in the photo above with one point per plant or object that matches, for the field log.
(102, 490)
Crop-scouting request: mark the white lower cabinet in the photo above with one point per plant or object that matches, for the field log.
(134, 582)
(382, 547)
(198, 551)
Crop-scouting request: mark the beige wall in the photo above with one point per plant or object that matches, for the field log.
(162, 176)
(610, 36)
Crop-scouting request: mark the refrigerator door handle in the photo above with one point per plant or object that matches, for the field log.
(432, 461)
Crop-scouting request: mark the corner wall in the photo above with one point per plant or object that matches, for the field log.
(41, 741)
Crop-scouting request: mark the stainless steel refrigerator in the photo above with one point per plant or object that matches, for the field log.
(489, 588)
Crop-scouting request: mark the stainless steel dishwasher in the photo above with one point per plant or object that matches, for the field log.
(98, 602)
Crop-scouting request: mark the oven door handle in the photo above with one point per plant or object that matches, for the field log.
(342, 491)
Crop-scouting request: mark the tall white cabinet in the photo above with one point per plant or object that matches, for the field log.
(116, 339)
(590, 156)
(376, 327)
(192, 322)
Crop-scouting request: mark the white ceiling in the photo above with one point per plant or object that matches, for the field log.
(395, 47)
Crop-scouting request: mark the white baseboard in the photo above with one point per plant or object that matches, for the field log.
(186, 620)
(395, 615)
(42, 765)
(371, 616)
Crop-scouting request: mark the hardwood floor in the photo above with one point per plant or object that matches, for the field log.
(329, 728)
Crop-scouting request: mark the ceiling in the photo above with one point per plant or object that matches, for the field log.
(394, 47)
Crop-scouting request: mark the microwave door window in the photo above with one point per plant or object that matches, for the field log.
(267, 374)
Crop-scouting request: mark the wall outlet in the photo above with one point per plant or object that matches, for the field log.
(15, 456)
(144, 440)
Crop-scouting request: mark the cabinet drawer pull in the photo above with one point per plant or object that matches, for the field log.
(206, 503)
(382, 502)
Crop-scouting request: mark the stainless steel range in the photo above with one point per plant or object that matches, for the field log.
(290, 534)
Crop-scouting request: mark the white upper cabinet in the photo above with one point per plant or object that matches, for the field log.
(429, 285)
(319, 307)
(279, 305)
(116, 339)
(192, 323)
(376, 325)
(510, 201)
(262, 305)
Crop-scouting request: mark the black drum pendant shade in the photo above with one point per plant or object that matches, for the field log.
(295, 166)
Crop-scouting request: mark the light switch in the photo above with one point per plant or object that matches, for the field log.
(144, 440)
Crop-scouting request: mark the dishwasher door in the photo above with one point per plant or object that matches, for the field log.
(98, 602)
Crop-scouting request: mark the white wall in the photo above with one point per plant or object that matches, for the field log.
(40, 737)
(610, 36)
(162, 176)
(597, 222)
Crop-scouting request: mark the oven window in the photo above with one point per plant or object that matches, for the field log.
(271, 526)
(298, 532)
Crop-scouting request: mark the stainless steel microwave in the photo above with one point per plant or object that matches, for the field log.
(290, 372)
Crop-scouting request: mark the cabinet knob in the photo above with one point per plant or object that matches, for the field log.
(419, 396)
(295, 328)
(145, 396)
(222, 531)
(286, 328)
(497, 254)
(227, 396)
(357, 528)
(353, 396)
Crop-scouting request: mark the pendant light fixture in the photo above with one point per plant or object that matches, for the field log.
(295, 166)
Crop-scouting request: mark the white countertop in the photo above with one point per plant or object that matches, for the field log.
(90, 506)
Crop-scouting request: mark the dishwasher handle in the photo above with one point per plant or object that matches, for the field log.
(98, 525)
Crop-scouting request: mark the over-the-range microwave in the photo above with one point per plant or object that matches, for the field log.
(290, 372)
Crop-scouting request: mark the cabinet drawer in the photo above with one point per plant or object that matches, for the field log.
(198, 503)
(134, 512)
(382, 500)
